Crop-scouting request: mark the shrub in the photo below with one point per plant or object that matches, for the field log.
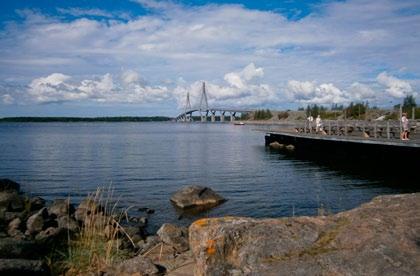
(97, 244)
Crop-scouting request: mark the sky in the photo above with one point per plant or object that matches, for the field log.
(142, 57)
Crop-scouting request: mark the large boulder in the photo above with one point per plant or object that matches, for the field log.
(379, 238)
(174, 236)
(23, 267)
(8, 185)
(196, 196)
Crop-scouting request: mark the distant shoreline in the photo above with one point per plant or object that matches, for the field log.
(84, 119)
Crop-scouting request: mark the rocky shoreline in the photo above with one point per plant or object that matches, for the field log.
(379, 237)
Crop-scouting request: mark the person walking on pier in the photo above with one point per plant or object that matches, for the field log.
(404, 121)
(318, 123)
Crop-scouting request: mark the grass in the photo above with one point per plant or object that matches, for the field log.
(97, 245)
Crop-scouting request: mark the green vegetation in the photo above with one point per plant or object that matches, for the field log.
(245, 116)
(315, 110)
(84, 119)
(283, 115)
(356, 110)
(96, 246)
(262, 114)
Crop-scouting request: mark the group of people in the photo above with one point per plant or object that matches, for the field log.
(318, 123)
(404, 122)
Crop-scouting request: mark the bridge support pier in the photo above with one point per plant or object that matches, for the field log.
(222, 117)
(203, 118)
(232, 116)
(213, 116)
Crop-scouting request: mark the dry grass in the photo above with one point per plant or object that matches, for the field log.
(97, 245)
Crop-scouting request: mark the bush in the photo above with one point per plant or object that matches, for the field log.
(283, 115)
(97, 244)
(262, 114)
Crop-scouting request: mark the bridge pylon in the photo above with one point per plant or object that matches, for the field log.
(204, 104)
(187, 107)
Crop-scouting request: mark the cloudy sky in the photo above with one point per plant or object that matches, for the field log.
(141, 57)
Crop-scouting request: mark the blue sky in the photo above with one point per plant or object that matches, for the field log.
(141, 57)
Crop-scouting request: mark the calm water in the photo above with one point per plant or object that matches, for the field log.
(146, 162)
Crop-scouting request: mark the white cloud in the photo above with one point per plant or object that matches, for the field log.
(344, 43)
(7, 99)
(395, 87)
(59, 88)
(240, 90)
(311, 93)
(130, 76)
(361, 92)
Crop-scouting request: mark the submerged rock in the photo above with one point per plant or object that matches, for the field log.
(380, 237)
(276, 145)
(196, 197)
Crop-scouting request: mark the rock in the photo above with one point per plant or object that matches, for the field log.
(87, 207)
(61, 207)
(290, 147)
(174, 236)
(133, 232)
(276, 145)
(12, 248)
(9, 216)
(8, 185)
(14, 229)
(36, 203)
(11, 201)
(48, 234)
(149, 243)
(196, 196)
(68, 223)
(146, 210)
(23, 267)
(378, 238)
(35, 223)
(138, 265)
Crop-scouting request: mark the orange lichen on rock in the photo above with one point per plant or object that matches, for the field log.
(201, 222)
(211, 247)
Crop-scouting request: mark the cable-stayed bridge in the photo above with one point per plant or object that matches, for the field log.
(205, 112)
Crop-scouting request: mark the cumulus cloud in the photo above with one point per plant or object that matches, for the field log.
(58, 87)
(311, 93)
(343, 43)
(395, 87)
(361, 92)
(241, 89)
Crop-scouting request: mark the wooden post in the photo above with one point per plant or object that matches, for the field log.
(400, 118)
(387, 130)
(338, 129)
(345, 128)
(329, 127)
(413, 113)
(374, 130)
(304, 127)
